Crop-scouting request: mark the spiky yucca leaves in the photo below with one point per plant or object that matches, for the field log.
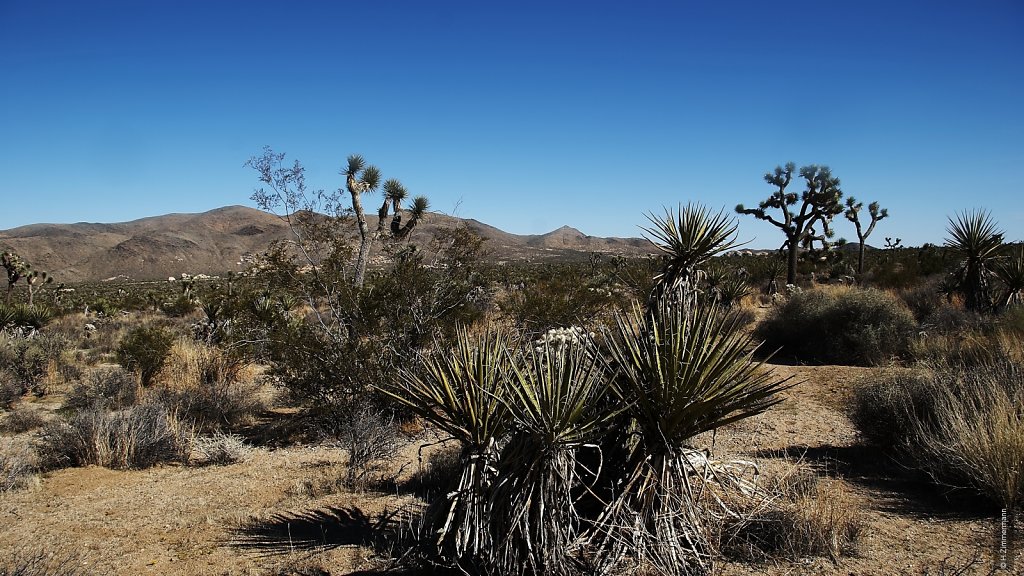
(1011, 272)
(975, 238)
(688, 237)
(464, 393)
(553, 396)
(683, 371)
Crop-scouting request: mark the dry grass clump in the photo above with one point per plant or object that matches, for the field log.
(133, 438)
(218, 450)
(17, 465)
(963, 424)
(208, 387)
(800, 515)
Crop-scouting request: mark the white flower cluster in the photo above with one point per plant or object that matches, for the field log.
(558, 337)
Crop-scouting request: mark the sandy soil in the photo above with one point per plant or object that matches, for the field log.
(181, 520)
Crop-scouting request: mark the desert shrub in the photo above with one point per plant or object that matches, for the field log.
(17, 464)
(137, 437)
(554, 296)
(208, 387)
(964, 425)
(840, 326)
(22, 419)
(884, 411)
(925, 297)
(10, 389)
(370, 438)
(803, 515)
(218, 449)
(144, 350)
(975, 432)
(32, 364)
(178, 307)
(110, 388)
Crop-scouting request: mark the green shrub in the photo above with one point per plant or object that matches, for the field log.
(144, 351)
(839, 326)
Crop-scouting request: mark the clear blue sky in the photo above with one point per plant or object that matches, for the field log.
(525, 115)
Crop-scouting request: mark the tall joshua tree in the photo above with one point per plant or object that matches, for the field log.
(803, 213)
(16, 268)
(360, 178)
(36, 277)
(852, 214)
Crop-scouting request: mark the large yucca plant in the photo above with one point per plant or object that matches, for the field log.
(464, 393)
(553, 399)
(682, 370)
(688, 237)
(975, 237)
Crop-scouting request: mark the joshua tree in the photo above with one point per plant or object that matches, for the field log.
(394, 194)
(360, 178)
(974, 237)
(16, 268)
(853, 209)
(818, 204)
(36, 277)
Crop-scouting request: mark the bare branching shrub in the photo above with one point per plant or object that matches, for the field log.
(133, 438)
(802, 515)
(17, 464)
(112, 388)
(219, 450)
(370, 438)
(840, 326)
(37, 562)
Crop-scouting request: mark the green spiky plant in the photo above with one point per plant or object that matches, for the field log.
(975, 238)
(1011, 272)
(553, 403)
(682, 371)
(464, 393)
(688, 238)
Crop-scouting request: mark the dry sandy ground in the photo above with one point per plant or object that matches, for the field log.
(180, 520)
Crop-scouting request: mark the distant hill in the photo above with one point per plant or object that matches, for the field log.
(214, 242)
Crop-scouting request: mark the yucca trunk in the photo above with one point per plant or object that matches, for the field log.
(365, 239)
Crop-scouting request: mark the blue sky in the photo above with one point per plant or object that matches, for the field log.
(525, 115)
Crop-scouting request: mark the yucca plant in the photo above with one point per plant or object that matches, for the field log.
(1011, 272)
(976, 239)
(683, 371)
(688, 238)
(464, 393)
(553, 400)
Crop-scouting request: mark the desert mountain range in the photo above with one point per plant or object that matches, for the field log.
(214, 242)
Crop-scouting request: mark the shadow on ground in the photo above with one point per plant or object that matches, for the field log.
(900, 488)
